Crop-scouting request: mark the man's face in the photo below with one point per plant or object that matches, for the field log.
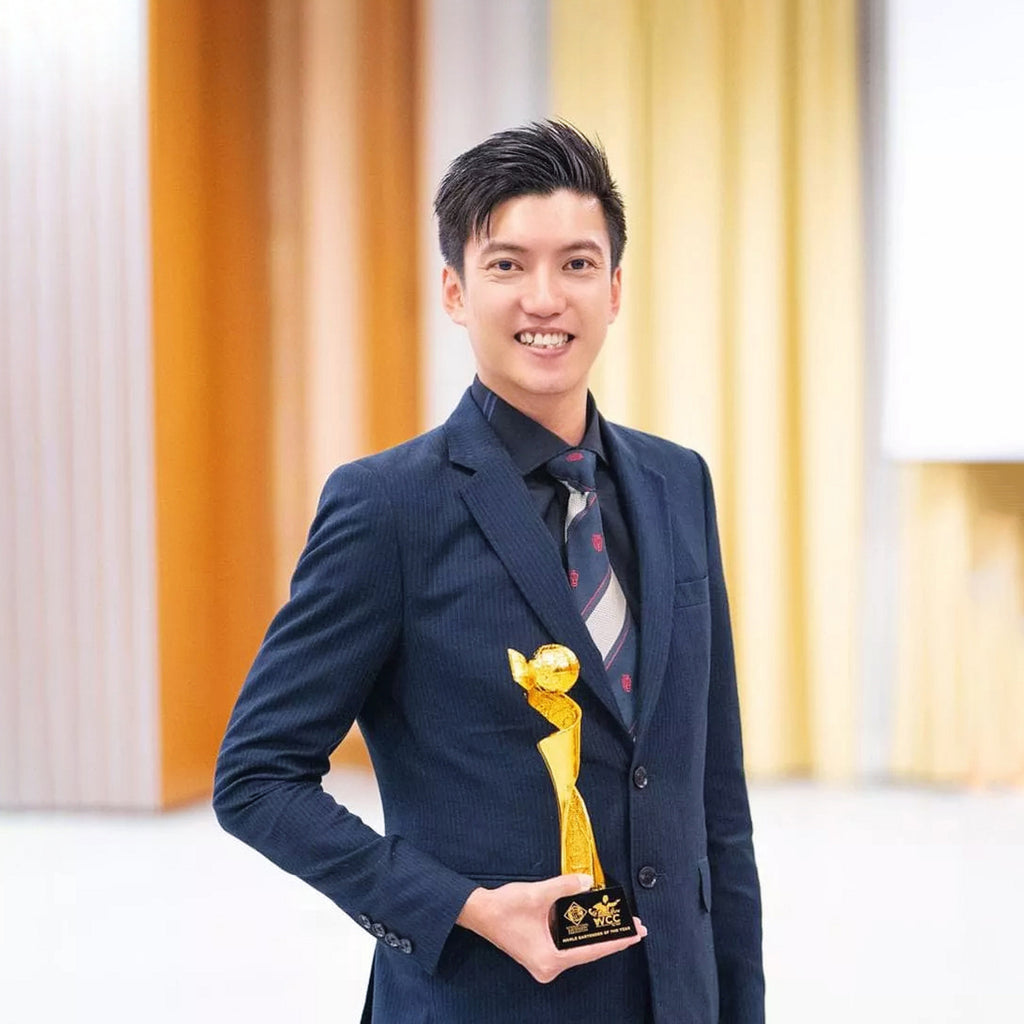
(536, 296)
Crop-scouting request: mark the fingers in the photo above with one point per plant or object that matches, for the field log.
(566, 958)
(598, 950)
(564, 885)
(515, 918)
(559, 960)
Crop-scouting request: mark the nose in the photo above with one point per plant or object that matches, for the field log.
(542, 295)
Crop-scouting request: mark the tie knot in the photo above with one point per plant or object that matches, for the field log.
(575, 468)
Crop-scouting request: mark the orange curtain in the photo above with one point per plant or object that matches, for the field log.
(211, 359)
(284, 308)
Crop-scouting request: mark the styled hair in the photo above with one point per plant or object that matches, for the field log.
(535, 159)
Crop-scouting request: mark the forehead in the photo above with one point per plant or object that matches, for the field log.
(545, 221)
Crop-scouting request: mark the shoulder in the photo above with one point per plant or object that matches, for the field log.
(392, 485)
(674, 461)
(386, 470)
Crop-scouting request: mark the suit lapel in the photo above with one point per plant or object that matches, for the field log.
(500, 503)
(643, 492)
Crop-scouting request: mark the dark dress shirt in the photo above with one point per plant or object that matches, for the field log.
(531, 446)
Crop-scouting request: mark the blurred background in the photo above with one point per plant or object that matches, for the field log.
(219, 279)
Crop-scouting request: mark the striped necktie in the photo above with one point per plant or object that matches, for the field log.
(595, 587)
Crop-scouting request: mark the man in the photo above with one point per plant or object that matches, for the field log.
(525, 520)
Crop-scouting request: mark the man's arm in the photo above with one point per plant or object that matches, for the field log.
(736, 895)
(316, 667)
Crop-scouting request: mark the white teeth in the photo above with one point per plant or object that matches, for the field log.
(545, 340)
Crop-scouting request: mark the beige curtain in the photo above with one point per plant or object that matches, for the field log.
(344, 304)
(345, 362)
(960, 700)
(733, 127)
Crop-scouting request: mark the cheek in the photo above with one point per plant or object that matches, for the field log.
(493, 315)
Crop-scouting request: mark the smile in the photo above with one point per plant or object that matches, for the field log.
(544, 339)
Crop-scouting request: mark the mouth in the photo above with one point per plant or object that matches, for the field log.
(544, 339)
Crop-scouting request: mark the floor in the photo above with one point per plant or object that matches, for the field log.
(881, 905)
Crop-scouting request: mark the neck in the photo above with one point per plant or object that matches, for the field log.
(564, 415)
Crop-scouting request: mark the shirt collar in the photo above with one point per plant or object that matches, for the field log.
(530, 444)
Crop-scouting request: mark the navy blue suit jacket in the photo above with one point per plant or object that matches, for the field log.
(423, 565)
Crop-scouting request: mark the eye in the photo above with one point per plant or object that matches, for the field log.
(503, 265)
(580, 263)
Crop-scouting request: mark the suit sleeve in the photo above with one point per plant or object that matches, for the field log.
(736, 896)
(318, 662)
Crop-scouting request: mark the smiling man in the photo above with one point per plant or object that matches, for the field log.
(536, 296)
(524, 520)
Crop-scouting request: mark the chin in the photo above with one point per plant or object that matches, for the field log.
(552, 388)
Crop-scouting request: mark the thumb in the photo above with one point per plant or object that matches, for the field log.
(567, 885)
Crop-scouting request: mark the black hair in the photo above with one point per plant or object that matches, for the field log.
(534, 159)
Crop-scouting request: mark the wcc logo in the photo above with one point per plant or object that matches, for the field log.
(606, 913)
(598, 541)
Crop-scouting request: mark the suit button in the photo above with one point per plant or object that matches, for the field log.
(647, 877)
(640, 777)
(405, 945)
(365, 921)
(391, 939)
(379, 930)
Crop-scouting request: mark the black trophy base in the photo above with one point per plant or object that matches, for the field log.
(596, 916)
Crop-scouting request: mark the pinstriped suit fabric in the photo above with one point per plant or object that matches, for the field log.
(424, 564)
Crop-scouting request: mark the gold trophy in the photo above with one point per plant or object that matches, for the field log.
(603, 913)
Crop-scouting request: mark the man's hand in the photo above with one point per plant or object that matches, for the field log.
(514, 917)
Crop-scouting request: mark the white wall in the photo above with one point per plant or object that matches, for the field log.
(954, 230)
(77, 631)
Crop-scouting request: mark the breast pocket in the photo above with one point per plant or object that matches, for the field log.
(691, 592)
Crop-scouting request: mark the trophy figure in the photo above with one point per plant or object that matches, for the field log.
(604, 912)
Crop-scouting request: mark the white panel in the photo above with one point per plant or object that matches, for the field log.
(77, 631)
(954, 205)
(879, 601)
(485, 69)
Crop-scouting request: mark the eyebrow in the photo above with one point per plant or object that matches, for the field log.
(496, 245)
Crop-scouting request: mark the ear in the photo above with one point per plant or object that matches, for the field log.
(616, 294)
(452, 295)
